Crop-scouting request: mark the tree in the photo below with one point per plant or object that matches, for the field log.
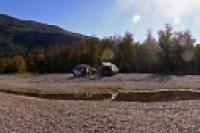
(20, 64)
(197, 58)
(126, 54)
(150, 55)
(108, 47)
(88, 52)
(165, 42)
(38, 61)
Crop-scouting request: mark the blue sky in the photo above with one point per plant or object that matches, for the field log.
(109, 17)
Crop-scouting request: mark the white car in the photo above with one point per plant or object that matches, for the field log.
(109, 69)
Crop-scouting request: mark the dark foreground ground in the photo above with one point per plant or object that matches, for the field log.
(27, 114)
(23, 114)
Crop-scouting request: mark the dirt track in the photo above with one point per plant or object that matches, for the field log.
(64, 83)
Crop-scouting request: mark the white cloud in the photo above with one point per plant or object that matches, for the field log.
(124, 4)
(136, 19)
(184, 14)
(161, 11)
(170, 8)
(176, 8)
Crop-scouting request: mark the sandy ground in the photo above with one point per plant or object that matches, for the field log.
(25, 114)
(22, 114)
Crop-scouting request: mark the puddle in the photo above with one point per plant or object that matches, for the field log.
(69, 96)
(161, 96)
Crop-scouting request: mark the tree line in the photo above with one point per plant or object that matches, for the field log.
(174, 52)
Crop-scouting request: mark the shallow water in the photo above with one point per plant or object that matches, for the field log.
(160, 96)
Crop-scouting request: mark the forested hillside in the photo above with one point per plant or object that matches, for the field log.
(28, 46)
(34, 34)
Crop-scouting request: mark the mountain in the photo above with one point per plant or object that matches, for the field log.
(29, 34)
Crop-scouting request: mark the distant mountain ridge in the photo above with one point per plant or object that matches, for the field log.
(30, 33)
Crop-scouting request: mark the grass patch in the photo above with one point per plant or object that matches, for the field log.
(26, 75)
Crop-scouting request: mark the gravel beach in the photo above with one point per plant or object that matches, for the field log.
(24, 114)
(21, 114)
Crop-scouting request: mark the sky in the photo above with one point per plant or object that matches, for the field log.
(109, 17)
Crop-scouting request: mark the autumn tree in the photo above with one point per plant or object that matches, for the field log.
(108, 48)
(165, 43)
(20, 63)
(37, 61)
(197, 58)
(126, 54)
(150, 55)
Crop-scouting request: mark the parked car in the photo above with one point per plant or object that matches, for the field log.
(109, 69)
(82, 70)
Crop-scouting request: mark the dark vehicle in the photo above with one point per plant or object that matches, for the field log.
(109, 69)
(82, 70)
